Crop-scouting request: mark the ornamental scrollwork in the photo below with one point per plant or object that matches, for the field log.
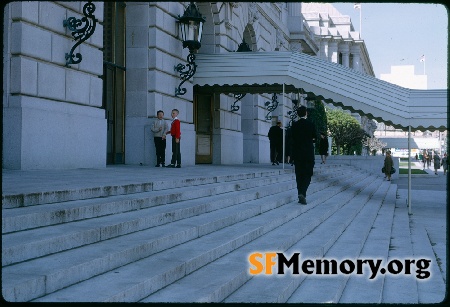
(271, 106)
(186, 72)
(81, 29)
(238, 97)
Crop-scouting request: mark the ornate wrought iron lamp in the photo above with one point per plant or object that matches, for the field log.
(191, 26)
(81, 29)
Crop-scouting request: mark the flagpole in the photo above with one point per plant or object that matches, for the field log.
(357, 6)
(360, 24)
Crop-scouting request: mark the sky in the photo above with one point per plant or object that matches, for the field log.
(400, 33)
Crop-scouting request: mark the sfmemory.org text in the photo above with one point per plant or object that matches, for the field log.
(269, 263)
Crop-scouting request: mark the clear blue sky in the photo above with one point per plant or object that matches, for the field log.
(400, 33)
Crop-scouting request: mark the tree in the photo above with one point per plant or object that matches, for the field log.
(374, 144)
(319, 117)
(345, 130)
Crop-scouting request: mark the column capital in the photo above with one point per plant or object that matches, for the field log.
(355, 48)
(344, 47)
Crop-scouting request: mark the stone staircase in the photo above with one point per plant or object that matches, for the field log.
(188, 240)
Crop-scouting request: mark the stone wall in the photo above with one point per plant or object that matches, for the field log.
(52, 116)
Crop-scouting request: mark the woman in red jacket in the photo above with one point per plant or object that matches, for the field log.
(175, 132)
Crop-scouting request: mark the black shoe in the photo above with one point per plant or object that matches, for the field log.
(178, 166)
(157, 165)
(171, 165)
(301, 199)
(278, 163)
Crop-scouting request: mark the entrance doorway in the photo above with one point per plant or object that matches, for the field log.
(203, 117)
(114, 80)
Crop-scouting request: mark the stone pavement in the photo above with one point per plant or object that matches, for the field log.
(428, 196)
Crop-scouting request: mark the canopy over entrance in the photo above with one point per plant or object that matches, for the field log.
(266, 72)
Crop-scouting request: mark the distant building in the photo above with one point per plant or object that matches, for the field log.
(403, 75)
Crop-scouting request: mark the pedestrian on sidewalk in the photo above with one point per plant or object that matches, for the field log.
(303, 139)
(429, 157)
(175, 132)
(160, 128)
(436, 162)
(276, 143)
(388, 164)
(444, 163)
(323, 147)
(424, 159)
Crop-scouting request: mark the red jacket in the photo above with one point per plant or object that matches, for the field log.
(175, 128)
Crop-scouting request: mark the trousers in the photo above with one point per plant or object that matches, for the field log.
(303, 174)
(176, 154)
(160, 146)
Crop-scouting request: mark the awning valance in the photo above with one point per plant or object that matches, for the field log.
(266, 72)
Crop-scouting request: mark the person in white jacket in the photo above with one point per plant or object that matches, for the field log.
(159, 128)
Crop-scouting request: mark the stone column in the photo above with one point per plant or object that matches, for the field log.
(355, 51)
(324, 49)
(333, 51)
(345, 50)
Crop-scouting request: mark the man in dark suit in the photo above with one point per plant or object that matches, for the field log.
(303, 138)
(276, 143)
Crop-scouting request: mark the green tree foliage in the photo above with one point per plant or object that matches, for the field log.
(319, 117)
(346, 131)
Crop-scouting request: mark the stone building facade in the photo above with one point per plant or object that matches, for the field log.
(99, 111)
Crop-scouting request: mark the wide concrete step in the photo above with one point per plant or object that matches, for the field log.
(434, 286)
(33, 243)
(232, 282)
(55, 213)
(25, 245)
(345, 229)
(107, 256)
(186, 258)
(348, 246)
(89, 190)
(17, 219)
(47, 274)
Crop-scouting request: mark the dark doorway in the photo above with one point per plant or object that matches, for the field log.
(114, 80)
(203, 118)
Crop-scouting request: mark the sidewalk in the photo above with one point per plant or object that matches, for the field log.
(428, 207)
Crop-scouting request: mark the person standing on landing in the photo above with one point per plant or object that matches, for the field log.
(323, 147)
(388, 164)
(276, 143)
(444, 163)
(175, 132)
(159, 129)
(436, 162)
(303, 139)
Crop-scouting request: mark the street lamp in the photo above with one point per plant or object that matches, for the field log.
(190, 26)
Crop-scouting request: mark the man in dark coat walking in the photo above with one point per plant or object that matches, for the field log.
(303, 139)
(276, 143)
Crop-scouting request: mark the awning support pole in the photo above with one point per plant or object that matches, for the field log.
(284, 130)
(409, 170)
